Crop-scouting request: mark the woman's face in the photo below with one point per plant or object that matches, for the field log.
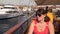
(40, 17)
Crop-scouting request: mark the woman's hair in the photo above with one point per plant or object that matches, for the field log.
(39, 13)
(46, 19)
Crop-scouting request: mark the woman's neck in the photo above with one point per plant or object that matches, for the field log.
(42, 21)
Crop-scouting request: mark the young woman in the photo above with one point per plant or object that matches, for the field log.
(41, 25)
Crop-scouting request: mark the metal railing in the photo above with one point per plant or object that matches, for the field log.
(20, 27)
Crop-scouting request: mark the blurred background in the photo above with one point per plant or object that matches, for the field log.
(16, 15)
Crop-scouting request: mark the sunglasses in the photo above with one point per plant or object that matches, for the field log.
(39, 15)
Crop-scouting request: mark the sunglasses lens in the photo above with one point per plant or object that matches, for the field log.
(39, 15)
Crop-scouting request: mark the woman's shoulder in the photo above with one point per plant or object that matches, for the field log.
(33, 19)
(49, 23)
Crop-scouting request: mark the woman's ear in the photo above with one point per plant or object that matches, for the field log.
(44, 16)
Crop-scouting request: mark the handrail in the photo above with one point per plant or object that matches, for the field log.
(27, 28)
(16, 27)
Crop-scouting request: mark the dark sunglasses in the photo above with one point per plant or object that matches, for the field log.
(39, 15)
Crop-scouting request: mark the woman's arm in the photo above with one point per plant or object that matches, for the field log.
(51, 28)
(31, 28)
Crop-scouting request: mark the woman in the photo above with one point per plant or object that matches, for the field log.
(41, 25)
